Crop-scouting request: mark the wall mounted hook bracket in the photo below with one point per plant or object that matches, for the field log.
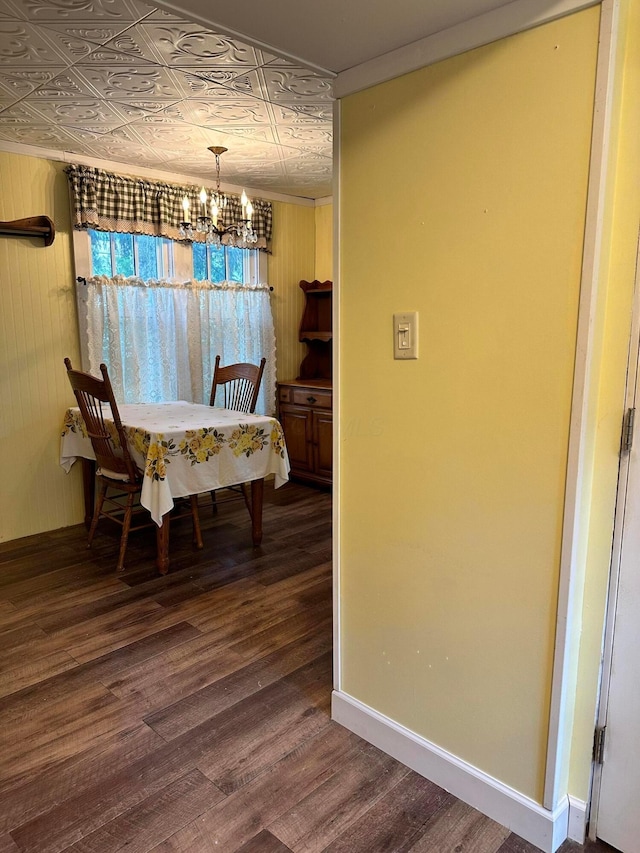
(32, 226)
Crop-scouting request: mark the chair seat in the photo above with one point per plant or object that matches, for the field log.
(113, 475)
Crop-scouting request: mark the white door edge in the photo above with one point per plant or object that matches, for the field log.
(561, 687)
(616, 550)
(337, 632)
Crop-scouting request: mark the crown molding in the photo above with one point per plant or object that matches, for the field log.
(515, 17)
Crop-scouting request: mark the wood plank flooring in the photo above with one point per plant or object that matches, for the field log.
(191, 713)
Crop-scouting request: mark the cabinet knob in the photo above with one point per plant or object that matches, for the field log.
(311, 399)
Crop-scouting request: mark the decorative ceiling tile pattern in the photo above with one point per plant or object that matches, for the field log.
(123, 81)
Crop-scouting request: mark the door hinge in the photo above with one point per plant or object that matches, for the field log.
(598, 744)
(627, 431)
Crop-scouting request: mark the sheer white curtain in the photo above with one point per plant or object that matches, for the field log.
(160, 340)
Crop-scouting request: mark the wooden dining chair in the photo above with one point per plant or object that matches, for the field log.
(115, 469)
(239, 385)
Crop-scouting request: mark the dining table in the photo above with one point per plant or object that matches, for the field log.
(184, 449)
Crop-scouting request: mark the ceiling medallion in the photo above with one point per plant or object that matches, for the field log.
(210, 218)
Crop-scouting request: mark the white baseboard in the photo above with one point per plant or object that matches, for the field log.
(577, 829)
(546, 829)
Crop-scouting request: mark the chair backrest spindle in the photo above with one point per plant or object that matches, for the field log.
(240, 385)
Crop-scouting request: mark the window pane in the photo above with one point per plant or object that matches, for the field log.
(216, 261)
(124, 254)
(166, 265)
(199, 261)
(100, 252)
(236, 264)
(147, 255)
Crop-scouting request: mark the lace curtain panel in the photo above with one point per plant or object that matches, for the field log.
(160, 340)
(109, 202)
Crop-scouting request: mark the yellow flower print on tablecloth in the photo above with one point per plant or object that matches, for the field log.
(138, 440)
(157, 457)
(199, 445)
(247, 439)
(277, 438)
(113, 432)
(73, 423)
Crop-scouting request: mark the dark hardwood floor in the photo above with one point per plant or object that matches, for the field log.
(190, 713)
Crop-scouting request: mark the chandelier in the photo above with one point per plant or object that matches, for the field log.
(208, 220)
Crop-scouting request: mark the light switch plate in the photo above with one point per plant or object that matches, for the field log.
(405, 335)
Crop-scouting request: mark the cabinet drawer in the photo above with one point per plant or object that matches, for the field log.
(315, 398)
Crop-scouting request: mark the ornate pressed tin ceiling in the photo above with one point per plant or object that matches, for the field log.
(122, 81)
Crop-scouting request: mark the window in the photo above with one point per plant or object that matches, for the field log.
(137, 330)
(160, 339)
(159, 258)
(219, 263)
(130, 254)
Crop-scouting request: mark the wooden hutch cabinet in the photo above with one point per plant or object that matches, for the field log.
(305, 403)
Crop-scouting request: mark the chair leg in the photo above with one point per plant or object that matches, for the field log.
(126, 524)
(214, 505)
(102, 491)
(197, 533)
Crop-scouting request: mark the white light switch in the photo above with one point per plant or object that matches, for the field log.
(405, 335)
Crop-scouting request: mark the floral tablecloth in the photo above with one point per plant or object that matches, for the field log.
(187, 448)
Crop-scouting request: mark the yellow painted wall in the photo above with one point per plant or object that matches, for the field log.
(38, 328)
(324, 242)
(453, 466)
(622, 218)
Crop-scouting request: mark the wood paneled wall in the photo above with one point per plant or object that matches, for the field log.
(324, 242)
(38, 328)
(293, 259)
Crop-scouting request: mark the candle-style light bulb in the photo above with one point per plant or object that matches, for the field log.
(243, 201)
(249, 212)
(214, 212)
(203, 200)
(185, 207)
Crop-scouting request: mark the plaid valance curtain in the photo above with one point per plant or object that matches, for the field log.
(109, 202)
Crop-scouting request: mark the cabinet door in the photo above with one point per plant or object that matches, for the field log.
(323, 444)
(296, 423)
